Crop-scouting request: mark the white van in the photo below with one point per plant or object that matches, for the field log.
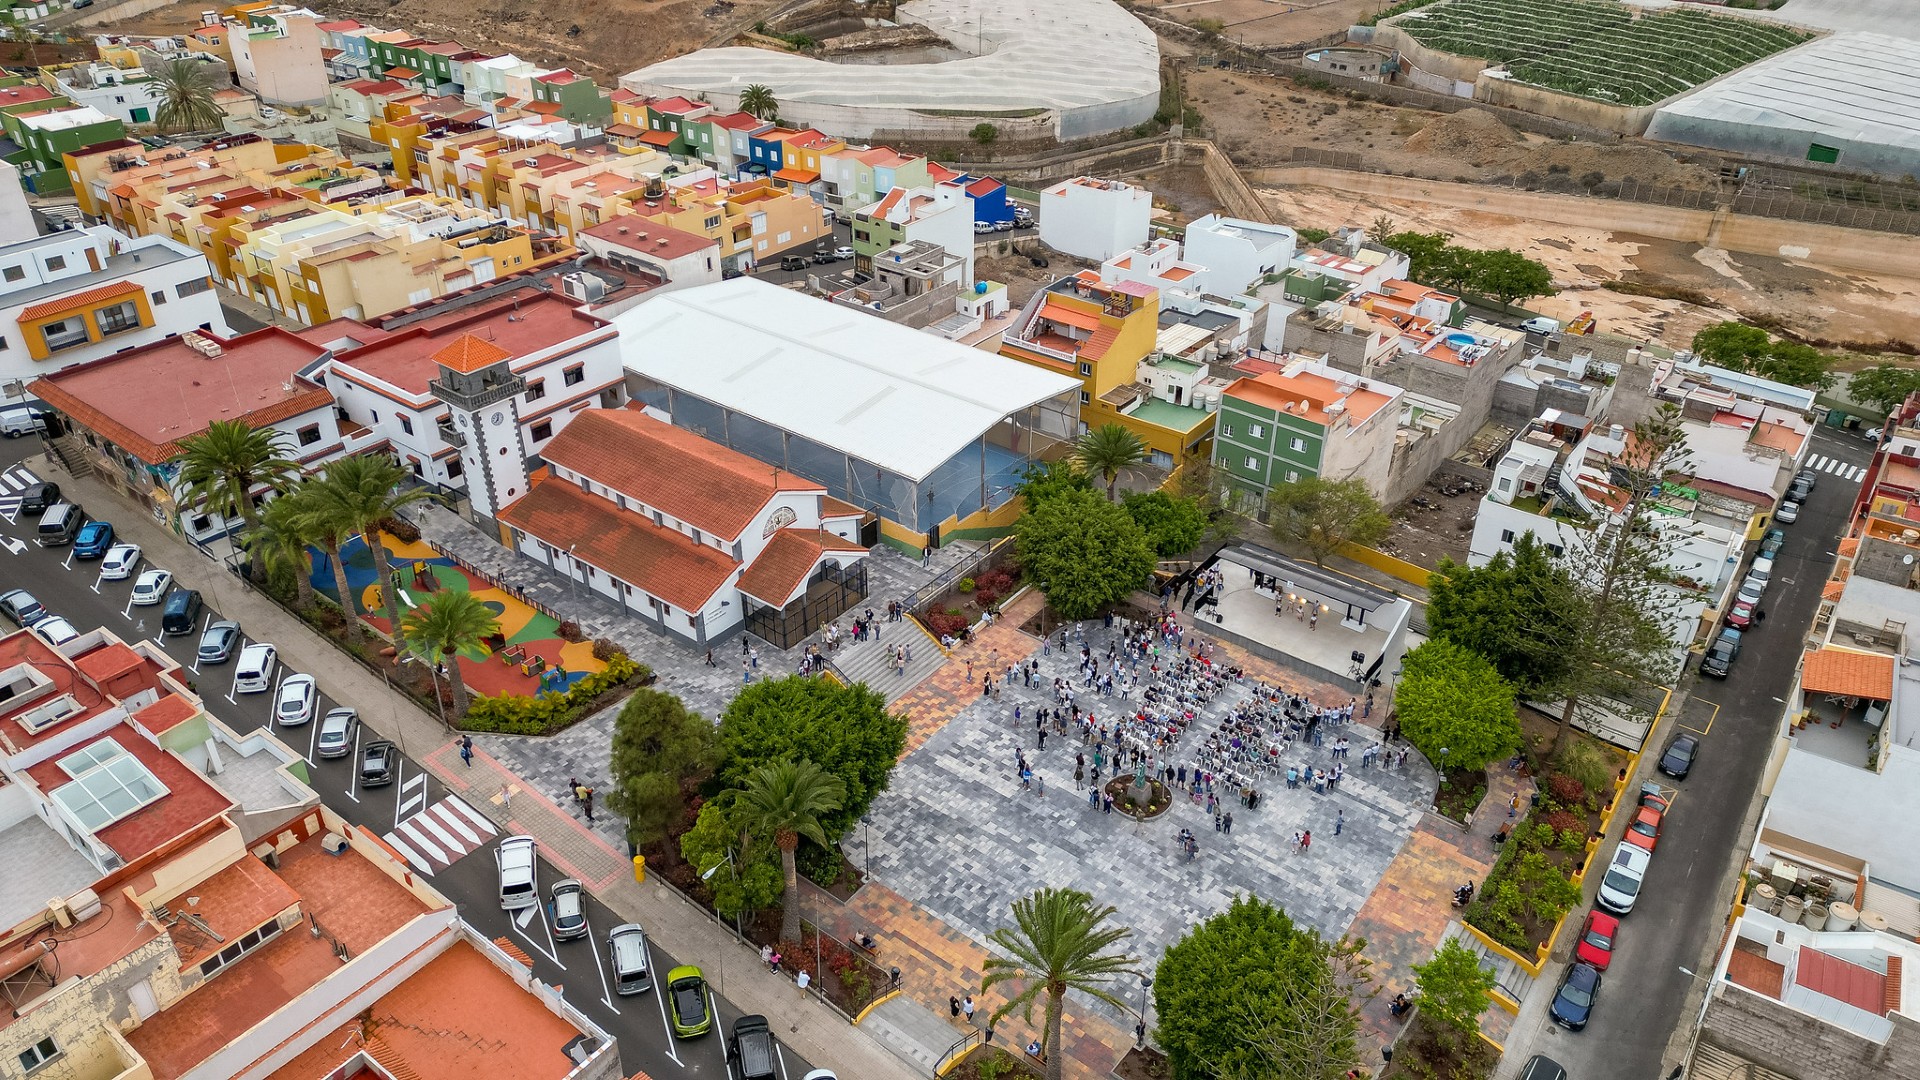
(254, 673)
(18, 420)
(518, 869)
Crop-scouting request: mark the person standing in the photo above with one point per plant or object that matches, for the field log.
(1339, 821)
(801, 980)
(953, 1007)
(1306, 841)
(967, 1007)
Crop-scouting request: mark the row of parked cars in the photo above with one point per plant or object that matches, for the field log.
(1745, 612)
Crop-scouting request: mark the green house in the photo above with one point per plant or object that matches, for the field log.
(580, 99)
(46, 135)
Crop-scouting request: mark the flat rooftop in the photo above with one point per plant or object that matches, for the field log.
(354, 900)
(457, 1018)
(189, 799)
(113, 268)
(58, 870)
(523, 322)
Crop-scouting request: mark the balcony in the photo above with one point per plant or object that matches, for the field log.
(451, 435)
(470, 394)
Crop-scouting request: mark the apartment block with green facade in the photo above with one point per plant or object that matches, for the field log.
(44, 136)
(1306, 420)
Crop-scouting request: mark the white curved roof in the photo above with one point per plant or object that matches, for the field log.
(1063, 55)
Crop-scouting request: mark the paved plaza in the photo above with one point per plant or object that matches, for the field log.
(955, 834)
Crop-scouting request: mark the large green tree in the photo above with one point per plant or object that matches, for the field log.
(1431, 257)
(1507, 276)
(1452, 699)
(321, 521)
(1453, 990)
(227, 467)
(1884, 386)
(659, 746)
(783, 802)
(1517, 611)
(1085, 553)
(1750, 349)
(758, 99)
(1251, 995)
(845, 730)
(1059, 941)
(453, 622)
(365, 491)
(1174, 524)
(1108, 450)
(184, 90)
(1730, 344)
(281, 538)
(1044, 479)
(1323, 515)
(743, 875)
(1796, 365)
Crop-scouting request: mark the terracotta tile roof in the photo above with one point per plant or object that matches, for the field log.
(79, 300)
(663, 562)
(783, 565)
(1861, 987)
(469, 354)
(831, 507)
(1102, 340)
(1843, 671)
(624, 131)
(167, 713)
(658, 138)
(714, 489)
(1849, 547)
(401, 73)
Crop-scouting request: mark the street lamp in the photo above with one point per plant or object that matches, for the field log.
(1140, 1029)
(866, 844)
(1444, 751)
(573, 567)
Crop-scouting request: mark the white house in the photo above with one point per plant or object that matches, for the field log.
(678, 258)
(1094, 219)
(1234, 253)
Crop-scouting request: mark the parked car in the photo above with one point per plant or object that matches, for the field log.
(1621, 885)
(983, 226)
(151, 587)
(337, 729)
(254, 672)
(1595, 945)
(1771, 544)
(842, 253)
(1741, 617)
(793, 262)
(18, 420)
(1003, 226)
(1573, 1005)
(1540, 325)
(37, 497)
(1798, 491)
(1023, 217)
(56, 630)
(1644, 830)
(377, 763)
(519, 872)
(687, 998)
(567, 909)
(93, 540)
(1681, 753)
(1751, 591)
(1873, 434)
(730, 273)
(218, 641)
(1808, 477)
(1652, 795)
(294, 704)
(1761, 570)
(1788, 513)
(20, 606)
(120, 562)
(1720, 657)
(752, 1048)
(627, 952)
(822, 258)
(1542, 1067)
(181, 613)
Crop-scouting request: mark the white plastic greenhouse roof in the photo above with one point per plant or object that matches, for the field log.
(1063, 55)
(1849, 86)
(892, 396)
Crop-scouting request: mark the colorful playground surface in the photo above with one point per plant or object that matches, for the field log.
(528, 657)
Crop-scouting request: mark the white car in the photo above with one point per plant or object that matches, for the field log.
(843, 253)
(254, 673)
(151, 587)
(1621, 887)
(294, 705)
(56, 630)
(519, 885)
(120, 562)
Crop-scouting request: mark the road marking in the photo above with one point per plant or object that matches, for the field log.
(521, 916)
(593, 946)
(476, 817)
(780, 1055)
(353, 763)
(399, 788)
(416, 799)
(660, 994)
(431, 823)
(424, 842)
(13, 546)
(451, 819)
(520, 919)
(1710, 719)
(420, 864)
(433, 832)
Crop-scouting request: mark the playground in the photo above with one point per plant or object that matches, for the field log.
(528, 655)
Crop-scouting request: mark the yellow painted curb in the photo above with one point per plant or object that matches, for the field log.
(962, 1056)
(876, 1003)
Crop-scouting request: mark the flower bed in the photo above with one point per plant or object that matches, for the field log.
(551, 712)
(1460, 795)
(1127, 798)
(1426, 1053)
(1531, 885)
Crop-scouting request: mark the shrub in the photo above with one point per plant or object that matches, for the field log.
(1561, 821)
(944, 622)
(998, 580)
(985, 597)
(604, 649)
(967, 584)
(400, 529)
(549, 712)
(570, 631)
(1566, 790)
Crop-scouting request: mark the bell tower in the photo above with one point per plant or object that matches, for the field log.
(483, 395)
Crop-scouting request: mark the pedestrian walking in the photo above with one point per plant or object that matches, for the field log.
(574, 787)
(1040, 786)
(801, 980)
(710, 662)
(967, 1007)
(1339, 821)
(466, 750)
(1513, 805)
(1227, 827)
(587, 800)
(1306, 841)
(953, 1007)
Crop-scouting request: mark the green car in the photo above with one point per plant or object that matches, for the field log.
(687, 998)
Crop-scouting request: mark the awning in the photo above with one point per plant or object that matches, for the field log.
(77, 301)
(1847, 673)
(658, 138)
(1353, 593)
(1062, 314)
(401, 73)
(797, 176)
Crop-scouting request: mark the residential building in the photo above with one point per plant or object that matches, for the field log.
(46, 135)
(16, 217)
(123, 416)
(1306, 420)
(580, 99)
(1235, 254)
(1101, 333)
(1157, 265)
(680, 260)
(765, 370)
(276, 55)
(753, 221)
(701, 540)
(75, 296)
(184, 908)
(941, 216)
(1094, 219)
(916, 283)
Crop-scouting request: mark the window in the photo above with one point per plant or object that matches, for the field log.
(1086, 398)
(1257, 430)
(1227, 430)
(13, 273)
(118, 319)
(1252, 464)
(1292, 477)
(56, 262)
(158, 297)
(39, 1054)
(65, 333)
(406, 423)
(1826, 155)
(1506, 536)
(454, 468)
(536, 390)
(1298, 446)
(188, 288)
(712, 222)
(1086, 368)
(1556, 550)
(309, 434)
(253, 940)
(543, 431)
(574, 375)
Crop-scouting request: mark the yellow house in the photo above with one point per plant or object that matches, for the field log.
(108, 309)
(1100, 332)
(753, 221)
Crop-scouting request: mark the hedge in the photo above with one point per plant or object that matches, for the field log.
(511, 714)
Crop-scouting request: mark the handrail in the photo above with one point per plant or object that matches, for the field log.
(954, 1052)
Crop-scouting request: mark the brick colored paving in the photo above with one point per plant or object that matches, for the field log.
(941, 697)
(1407, 916)
(937, 961)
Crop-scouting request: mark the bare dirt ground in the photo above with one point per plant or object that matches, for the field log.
(1266, 23)
(1432, 524)
(603, 38)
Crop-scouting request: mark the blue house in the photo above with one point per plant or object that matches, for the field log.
(766, 153)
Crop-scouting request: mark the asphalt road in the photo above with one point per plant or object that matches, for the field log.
(1678, 912)
(70, 587)
(843, 235)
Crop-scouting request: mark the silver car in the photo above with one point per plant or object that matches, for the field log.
(337, 730)
(568, 909)
(1788, 513)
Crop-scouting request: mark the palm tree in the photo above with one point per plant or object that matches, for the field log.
(453, 623)
(758, 100)
(223, 465)
(185, 90)
(1108, 449)
(786, 799)
(320, 519)
(366, 490)
(1057, 944)
(281, 538)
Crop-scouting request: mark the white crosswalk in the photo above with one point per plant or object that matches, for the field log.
(440, 835)
(1836, 467)
(12, 482)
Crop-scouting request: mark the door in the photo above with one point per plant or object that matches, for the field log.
(141, 995)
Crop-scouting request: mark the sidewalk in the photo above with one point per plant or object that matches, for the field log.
(811, 1029)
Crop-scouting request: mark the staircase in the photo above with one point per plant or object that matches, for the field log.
(871, 661)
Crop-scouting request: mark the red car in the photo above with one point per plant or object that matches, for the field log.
(1741, 617)
(1644, 830)
(1596, 939)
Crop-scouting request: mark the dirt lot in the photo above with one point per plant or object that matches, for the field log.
(1267, 23)
(604, 38)
(1432, 524)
